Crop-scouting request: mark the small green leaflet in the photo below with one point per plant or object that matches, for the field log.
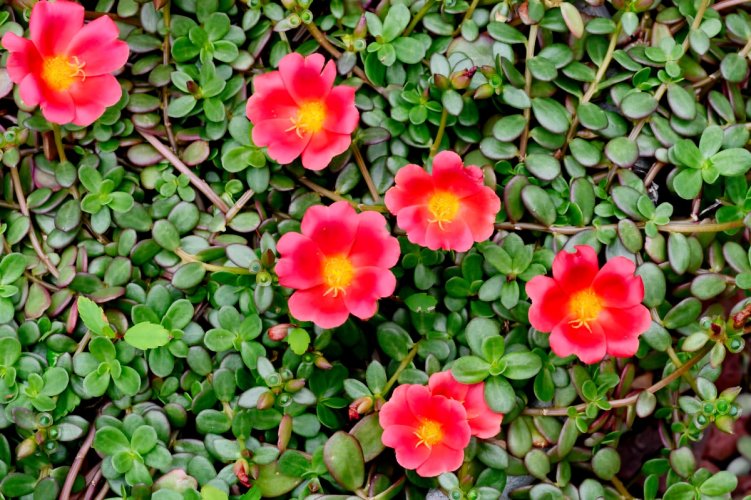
(147, 336)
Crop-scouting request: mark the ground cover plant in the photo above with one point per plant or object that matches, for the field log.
(462, 249)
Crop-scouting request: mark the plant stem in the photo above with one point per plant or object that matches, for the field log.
(57, 132)
(365, 173)
(418, 17)
(70, 478)
(684, 226)
(677, 362)
(467, 16)
(439, 135)
(186, 257)
(183, 169)
(630, 400)
(664, 86)
(165, 90)
(18, 188)
(527, 90)
(593, 87)
(324, 42)
(331, 195)
(621, 488)
(244, 199)
(404, 364)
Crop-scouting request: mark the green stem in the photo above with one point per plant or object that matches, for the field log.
(619, 403)
(677, 362)
(365, 173)
(57, 132)
(402, 366)
(684, 227)
(186, 257)
(593, 87)
(331, 195)
(531, 39)
(418, 17)
(439, 135)
(467, 15)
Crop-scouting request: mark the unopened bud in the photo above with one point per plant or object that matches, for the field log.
(361, 30)
(441, 82)
(279, 332)
(294, 385)
(460, 79)
(176, 480)
(265, 400)
(285, 432)
(484, 91)
(26, 448)
(323, 363)
(360, 407)
(240, 468)
(523, 12)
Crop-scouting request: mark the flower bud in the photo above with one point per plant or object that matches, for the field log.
(361, 30)
(484, 91)
(285, 432)
(265, 400)
(176, 480)
(460, 79)
(323, 363)
(279, 332)
(294, 385)
(441, 82)
(26, 448)
(241, 468)
(360, 406)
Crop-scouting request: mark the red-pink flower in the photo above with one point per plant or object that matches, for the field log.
(450, 209)
(589, 311)
(484, 422)
(428, 432)
(340, 264)
(66, 66)
(299, 111)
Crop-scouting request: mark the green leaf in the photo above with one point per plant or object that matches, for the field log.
(521, 365)
(499, 395)
(409, 51)
(344, 460)
(720, 483)
(110, 440)
(10, 351)
(298, 340)
(129, 381)
(735, 161)
(395, 22)
(147, 336)
(550, 114)
(470, 369)
(606, 463)
(12, 267)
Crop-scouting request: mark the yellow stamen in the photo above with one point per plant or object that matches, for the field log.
(430, 433)
(443, 207)
(337, 274)
(59, 72)
(584, 306)
(309, 119)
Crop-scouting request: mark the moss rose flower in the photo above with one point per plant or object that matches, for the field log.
(298, 111)
(483, 422)
(66, 66)
(589, 311)
(339, 264)
(428, 432)
(450, 208)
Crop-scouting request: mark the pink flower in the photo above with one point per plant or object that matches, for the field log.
(450, 209)
(428, 432)
(587, 310)
(340, 264)
(298, 111)
(484, 422)
(66, 67)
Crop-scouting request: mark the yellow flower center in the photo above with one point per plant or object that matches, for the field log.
(429, 433)
(337, 274)
(443, 207)
(59, 72)
(585, 306)
(309, 118)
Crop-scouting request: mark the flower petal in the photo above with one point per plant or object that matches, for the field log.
(369, 285)
(24, 58)
(30, 90)
(283, 145)
(313, 304)
(413, 186)
(53, 25)
(92, 96)
(616, 284)
(396, 411)
(374, 245)
(58, 107)
(587, 345)
(623, 327)
(454, 235)
(323, 147)
(97, 46)
(409, 454)
(575, 271)
(333, 228)
(483, 422)
(271, 100)
(479, 212)
(306, 78)
(341, 114)
(442, 459)
(300, 263)
(444, 384)
(549, 303)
